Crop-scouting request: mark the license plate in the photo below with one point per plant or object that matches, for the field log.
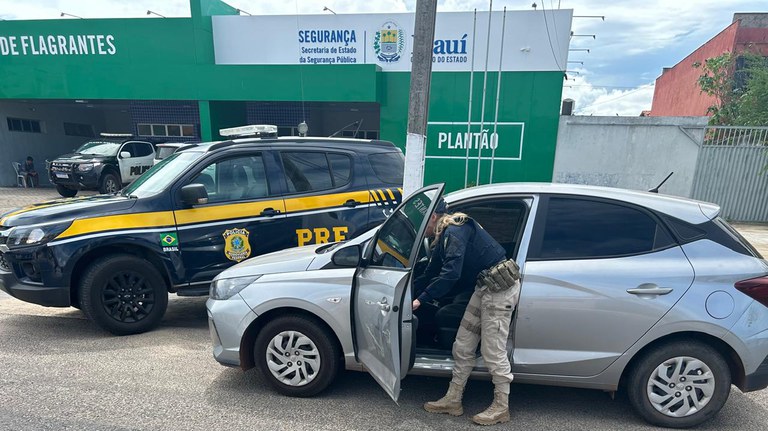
(61, 175)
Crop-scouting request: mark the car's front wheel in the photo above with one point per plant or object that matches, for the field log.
(679, 385)
(123, 294)
(297, 355)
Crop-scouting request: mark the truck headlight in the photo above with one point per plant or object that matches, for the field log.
(22, 236)
(85, 167)
(226, 288)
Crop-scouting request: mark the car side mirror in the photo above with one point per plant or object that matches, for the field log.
(347, 257)
(125, 155)
(194, 194)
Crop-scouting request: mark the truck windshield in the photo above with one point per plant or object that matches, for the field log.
(160, 176)
(99, 148)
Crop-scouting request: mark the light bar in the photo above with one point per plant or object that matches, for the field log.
(254, 129)
(116, 135)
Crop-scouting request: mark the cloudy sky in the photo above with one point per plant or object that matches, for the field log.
(631, 45)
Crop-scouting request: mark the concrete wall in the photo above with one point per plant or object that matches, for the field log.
(629, 152)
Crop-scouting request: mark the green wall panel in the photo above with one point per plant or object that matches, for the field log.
(531, 98)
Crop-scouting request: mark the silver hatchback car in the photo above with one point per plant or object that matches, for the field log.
(654, 294)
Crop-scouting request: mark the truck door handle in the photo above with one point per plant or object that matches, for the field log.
(649, 289)
(351, 203)
(269, 212)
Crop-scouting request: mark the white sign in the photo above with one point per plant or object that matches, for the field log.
(58, 44)
(533, 40)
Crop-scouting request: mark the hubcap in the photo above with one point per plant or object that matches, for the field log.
(128, 297)
(681, 386)
(110, 186)
(293, 358)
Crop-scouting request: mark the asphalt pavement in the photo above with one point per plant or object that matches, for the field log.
(60, 372)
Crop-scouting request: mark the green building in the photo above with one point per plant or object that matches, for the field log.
(182, 79)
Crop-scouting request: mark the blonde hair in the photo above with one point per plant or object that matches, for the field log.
(455, 219)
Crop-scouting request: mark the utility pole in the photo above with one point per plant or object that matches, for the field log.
(418, 100)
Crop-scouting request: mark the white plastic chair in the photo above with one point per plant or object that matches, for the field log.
(21, 177)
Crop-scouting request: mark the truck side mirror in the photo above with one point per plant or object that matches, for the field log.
(125, 155)
(347, 257)
(194, 194)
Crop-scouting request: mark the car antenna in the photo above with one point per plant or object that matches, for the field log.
(357, 123)
(656, 189)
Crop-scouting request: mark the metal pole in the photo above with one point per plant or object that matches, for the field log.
(485, 86)
(498, 94)
(469, 115)
(418, 100)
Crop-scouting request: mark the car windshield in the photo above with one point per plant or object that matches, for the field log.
(99, 148)
(160, 176)
(163, 151)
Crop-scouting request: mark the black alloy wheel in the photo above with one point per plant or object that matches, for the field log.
(123, 294)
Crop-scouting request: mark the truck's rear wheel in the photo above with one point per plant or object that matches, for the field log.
(66, 192)
(123, 294)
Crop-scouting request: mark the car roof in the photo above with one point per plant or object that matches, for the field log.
(359, 145)
(689, 210)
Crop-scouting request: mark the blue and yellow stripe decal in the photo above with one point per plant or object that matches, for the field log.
(228, 211)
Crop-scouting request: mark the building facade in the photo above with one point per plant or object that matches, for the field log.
(182, 79)
(677, 92)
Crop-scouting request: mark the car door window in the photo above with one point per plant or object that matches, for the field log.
(141, 149)
(129, 148)
(502, 218)
(396, 238)
(588, 229)
(341, 169)
(306, 171)
(232, 179)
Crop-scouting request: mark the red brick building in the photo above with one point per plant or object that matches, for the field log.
(676, 92)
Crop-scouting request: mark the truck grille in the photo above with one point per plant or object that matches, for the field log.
(61, 167)
(4, 266)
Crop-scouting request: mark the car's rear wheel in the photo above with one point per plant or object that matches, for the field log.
(679, 385)
(110, 183)
(123, 294)
(65, 191)
(297, 355)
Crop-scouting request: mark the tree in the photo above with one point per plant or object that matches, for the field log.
(739, 83)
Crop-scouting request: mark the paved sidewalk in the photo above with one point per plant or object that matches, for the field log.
(14, 197)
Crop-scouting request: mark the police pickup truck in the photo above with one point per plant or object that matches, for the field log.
(105, 164)
(189, 217)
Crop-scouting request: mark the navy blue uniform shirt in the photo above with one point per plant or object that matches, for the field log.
(459, 256)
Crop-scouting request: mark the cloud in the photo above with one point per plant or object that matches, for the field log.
(591, 100)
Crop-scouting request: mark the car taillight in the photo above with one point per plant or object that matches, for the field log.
(755, 288)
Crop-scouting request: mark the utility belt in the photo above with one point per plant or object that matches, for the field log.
(499, 277)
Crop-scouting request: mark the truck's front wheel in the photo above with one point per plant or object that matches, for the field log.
(110, 183)
(123, 294)
(66, 192)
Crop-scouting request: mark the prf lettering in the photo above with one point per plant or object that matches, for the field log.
(321, 235)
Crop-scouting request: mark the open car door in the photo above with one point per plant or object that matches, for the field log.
(381, 294)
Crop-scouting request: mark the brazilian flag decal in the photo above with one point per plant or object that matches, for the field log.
(169, 240)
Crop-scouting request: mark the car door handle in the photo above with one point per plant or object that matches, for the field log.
(269, 212)
(351, 203)
(650, 289)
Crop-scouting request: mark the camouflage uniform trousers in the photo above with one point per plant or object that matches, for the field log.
(486, 321)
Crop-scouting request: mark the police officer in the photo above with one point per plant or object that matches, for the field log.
(465, 251)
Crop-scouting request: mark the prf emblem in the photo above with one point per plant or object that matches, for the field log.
(236, 246)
